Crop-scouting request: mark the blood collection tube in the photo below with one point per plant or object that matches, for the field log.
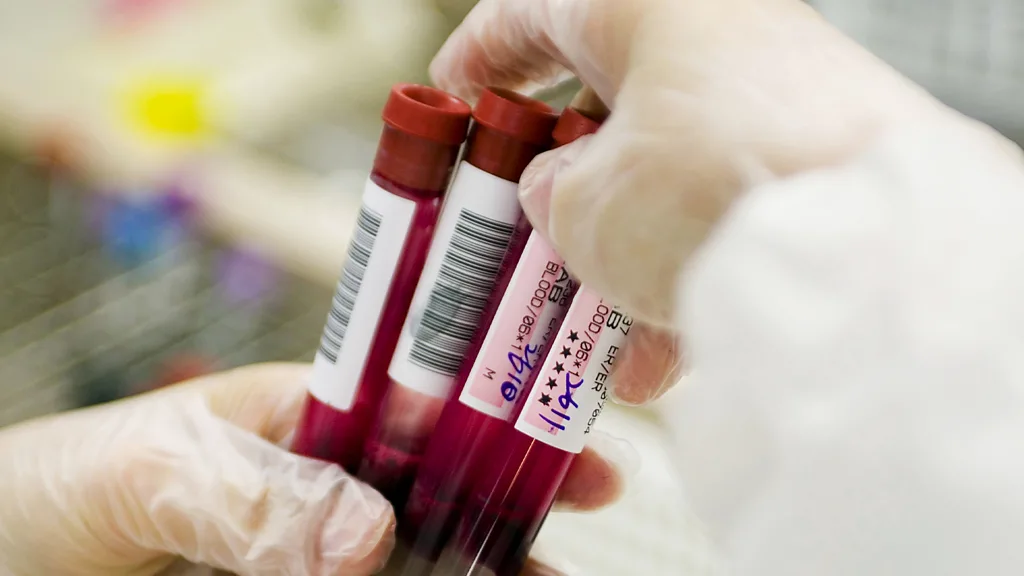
(473, 237)
(521, 474)
(529, 304)
(423, 131)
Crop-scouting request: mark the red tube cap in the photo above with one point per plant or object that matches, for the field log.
(519, 117)
(427, 112)
(573, 124)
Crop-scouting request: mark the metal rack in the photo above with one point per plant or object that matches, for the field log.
(81, 325)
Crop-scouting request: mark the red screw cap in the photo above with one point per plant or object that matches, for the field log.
(427, 112)
(573, 124)
(519, 117)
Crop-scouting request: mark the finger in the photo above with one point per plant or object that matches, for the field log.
(625, 223)
(215, 494)
(651, 362)
(522, 45)
(599, 475)
(587, 102)
(265, 399)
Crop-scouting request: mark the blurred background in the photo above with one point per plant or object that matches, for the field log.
(179, 179)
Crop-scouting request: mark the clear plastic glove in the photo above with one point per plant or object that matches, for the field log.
(707, 98)
(191, 471)
(853, 317)
(194, 472)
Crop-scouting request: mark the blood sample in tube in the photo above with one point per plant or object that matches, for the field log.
(520, 477)
(534, 293)
(473, 237)
(419, 145)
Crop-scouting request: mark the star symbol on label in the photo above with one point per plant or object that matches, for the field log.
(519, 338)
(573, 336)
(545, 399)
(565, 352)
(551, 383)
(559, 368)
(577, 364)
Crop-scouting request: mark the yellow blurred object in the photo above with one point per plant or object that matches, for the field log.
(169, 107)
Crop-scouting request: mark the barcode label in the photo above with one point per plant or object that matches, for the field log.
(367, 227)
(471, 240)
(467, 276)
(373, 256)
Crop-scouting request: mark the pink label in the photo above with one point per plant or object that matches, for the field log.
(524, 323)
(572, 386)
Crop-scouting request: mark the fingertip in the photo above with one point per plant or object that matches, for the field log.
(599, 475)
(358, 534)
(651, 364)
(619, 452)
(265, 399)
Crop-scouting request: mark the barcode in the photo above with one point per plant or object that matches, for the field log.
(465, 280)
(367, 226)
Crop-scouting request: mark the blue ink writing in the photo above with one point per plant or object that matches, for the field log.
(566, 400)
(520, 365)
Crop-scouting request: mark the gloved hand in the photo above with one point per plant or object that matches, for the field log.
(191, 471)
(194, 471)
(707, 98)
(852, 323)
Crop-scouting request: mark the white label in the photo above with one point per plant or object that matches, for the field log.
(571, 387)
(465, 257)
(373, 256)
(524, 325)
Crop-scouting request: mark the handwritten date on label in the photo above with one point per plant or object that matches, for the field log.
(572, 364)
(522, 366)
(554, 285)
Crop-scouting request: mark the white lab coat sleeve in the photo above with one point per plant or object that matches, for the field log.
(856, 340)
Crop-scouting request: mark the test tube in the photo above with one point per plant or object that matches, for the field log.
(521, 474)
(534, 292)
(419, 145)
(473, 237)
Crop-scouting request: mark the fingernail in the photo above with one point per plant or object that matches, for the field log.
(614, 392)
(618, 452)
(650, 364)
(536, 186)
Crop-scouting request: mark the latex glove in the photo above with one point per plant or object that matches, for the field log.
(189, 471)
(707, 98)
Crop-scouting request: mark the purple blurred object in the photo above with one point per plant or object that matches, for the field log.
(98, 205)
(180, 203)
(245, 277)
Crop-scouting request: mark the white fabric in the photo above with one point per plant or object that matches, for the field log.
(856, 401)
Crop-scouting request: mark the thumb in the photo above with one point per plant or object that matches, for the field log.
(189, 471)
(216, 494)
(256, 509)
